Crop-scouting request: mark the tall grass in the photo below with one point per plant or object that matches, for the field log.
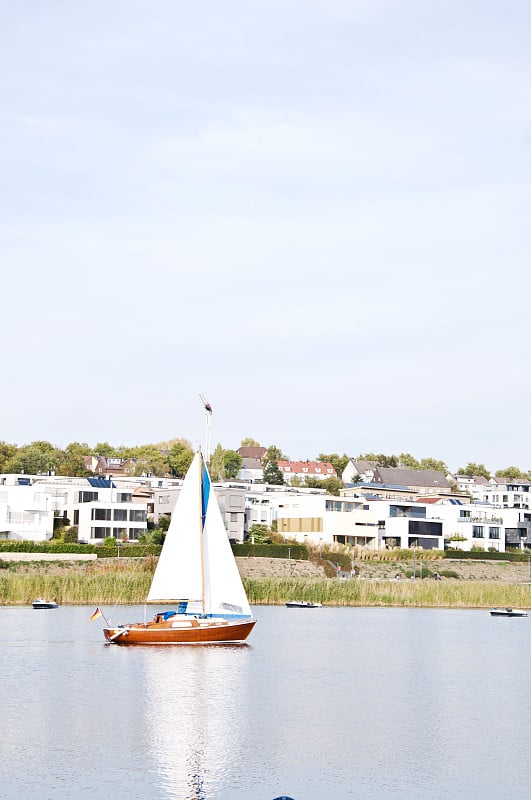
(124, 581)
(430, 594)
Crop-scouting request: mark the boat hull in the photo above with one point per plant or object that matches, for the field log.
(190, 631)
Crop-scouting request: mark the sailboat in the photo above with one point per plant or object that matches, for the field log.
(197, 572)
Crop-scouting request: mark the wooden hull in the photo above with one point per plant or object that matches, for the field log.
(181, 631)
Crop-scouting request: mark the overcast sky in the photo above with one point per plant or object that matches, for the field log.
(315, 212)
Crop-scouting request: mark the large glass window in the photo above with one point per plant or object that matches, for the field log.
(100, 533)
(87, 497)
(120, 514)
(137, 515)
(101, 513)
(477, 531)
(494, 533)
(122, 497)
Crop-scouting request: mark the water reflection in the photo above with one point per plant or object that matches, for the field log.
(195, 711)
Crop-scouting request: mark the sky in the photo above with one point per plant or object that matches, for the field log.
(316, 214)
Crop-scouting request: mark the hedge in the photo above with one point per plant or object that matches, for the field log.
(299, 551)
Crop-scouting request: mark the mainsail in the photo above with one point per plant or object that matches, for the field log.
(196, 563)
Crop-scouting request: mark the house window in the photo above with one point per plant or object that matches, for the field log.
(164, 499)
(494, 533)
(477, 531)
(87, 497)
(101, 513)
(137, 515)
(133, 533)
(100, 533)
(121, 497)
(120, 514)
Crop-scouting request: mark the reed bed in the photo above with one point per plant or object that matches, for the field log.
(122, 584)
(427, 594)
(116, 582)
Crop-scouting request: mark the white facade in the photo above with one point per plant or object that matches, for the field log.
(26, 513)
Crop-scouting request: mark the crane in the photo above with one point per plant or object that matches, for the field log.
(208, 419)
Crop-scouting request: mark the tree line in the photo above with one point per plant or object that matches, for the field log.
(172, 458)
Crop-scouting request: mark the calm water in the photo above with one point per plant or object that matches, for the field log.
(342, 703)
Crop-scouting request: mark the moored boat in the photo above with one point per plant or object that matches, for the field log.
(302, 604)
(38, 603)
(508, 612)
(197, 572)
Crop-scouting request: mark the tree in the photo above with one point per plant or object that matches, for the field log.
(408, 461)
(35, 458)
(71, 464)
(7, 451)
(105, 450)
(217, 464)
(273, 474)
(474, 469)
(149, 460)
(249, 443)
(180, 457)
(513, 473)
(434, 464)
(232, 463)
(380, 459)
(332, 485)
(275, 454)
(338, 462)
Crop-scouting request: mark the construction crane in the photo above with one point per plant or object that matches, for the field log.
(208, 420)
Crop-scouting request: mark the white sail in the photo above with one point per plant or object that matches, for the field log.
(197, 558)
(178, 575)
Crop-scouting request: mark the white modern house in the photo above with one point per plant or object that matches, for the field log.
(98, 507)
(26, 512)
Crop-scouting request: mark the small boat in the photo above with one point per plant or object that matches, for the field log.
(197, 572)
(302, 604)
(508, 612)
(38, 603)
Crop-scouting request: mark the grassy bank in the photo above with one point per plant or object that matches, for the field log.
(429, 594)
(113, 581)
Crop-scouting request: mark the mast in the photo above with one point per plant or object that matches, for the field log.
(202, 517)
(208, 420)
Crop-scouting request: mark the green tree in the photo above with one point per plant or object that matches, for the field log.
(408, 461)
(79, 449)
(217, 464)
(232, 463)
(474, 469)
(380, 459)
(259, 534)
(434, 464)
(71, 464)
(105, 450)
(275, 454)
(512, 473)
(249, 443)
(332, 485)
(180, 457)
(37, 457)
(338, 462)
(149, 460)
(273, 474)
(7, 452)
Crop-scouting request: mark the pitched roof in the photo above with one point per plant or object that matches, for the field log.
(252, 452)
(317, 468)
(400, 476)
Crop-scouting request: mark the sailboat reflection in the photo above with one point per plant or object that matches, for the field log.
(195, 711)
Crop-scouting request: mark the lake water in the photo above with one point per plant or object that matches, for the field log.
(324, 703)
